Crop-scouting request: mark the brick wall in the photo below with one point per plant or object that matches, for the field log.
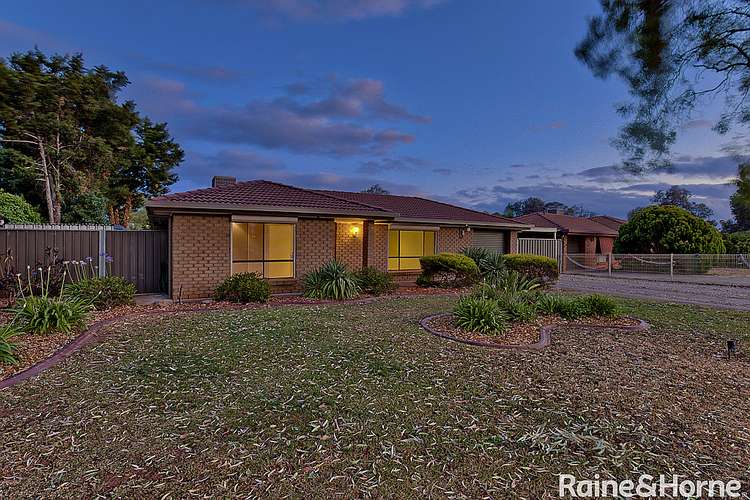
(349, 244)
(449, 240)
(316, 244)
(200, 248)
(513, 241)
(376, 239)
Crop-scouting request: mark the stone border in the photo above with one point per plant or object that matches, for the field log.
(92, 333)
(545, 333)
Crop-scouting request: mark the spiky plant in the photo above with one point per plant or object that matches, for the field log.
(331, 281)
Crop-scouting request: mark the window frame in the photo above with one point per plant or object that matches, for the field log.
(264, 223)
(399, 257)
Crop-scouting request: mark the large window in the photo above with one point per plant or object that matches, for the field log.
(266, 249)
(405, 247)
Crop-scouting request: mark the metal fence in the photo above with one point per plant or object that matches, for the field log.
(542, 246)
(140, 257)
(670, 265)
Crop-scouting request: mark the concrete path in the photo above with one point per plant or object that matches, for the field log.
(711, 295)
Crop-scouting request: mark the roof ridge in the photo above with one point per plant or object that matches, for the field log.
(204, 189)
(327, 192)
(318, 192)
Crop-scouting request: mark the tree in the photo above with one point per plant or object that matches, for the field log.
(15, 210)
(61, 125)
(673, 56)
(375, 189)
(680, 197)
(667, 229)
(524, 207)
(739, 202)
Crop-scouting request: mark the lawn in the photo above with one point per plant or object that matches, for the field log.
(357, 400)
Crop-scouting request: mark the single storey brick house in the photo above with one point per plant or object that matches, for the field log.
(283, 232)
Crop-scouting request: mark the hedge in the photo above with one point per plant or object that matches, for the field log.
(534, 266)
(447, 270)
(15, 210)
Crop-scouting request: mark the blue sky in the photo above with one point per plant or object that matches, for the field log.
(476, 102)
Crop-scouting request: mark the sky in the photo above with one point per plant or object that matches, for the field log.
(473, 102)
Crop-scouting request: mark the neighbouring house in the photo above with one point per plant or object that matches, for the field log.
(283, 232)
(589, 236)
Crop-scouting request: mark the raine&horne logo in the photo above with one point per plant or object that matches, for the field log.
(647, 486)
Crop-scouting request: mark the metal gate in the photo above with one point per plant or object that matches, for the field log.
(542, 246)
(140, 257)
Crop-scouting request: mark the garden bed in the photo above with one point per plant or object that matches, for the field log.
(528, 335)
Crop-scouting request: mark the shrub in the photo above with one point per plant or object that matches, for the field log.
(549, 303)
(572, 308)
(332, 281)
(516, 308)
(515, 283)
(599, 305)
(448, 270)
(45, 314)
(102, 293)
(737, 242)
(14, 209)
(668, 229)
(7, 348)
(479, 315)
(243, 288)
(491, 264)
(375, 282)
(533, 266)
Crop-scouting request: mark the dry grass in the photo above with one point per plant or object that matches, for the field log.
(357, 400)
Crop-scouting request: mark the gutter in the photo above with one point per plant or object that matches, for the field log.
(168, 207)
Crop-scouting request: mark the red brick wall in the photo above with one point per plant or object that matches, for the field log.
(349, 244)
(449, 240)
(316, 244)
(513, 241)
(376, 239)
(200, 246)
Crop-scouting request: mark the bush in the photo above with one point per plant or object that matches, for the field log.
(479, 315)
(491, 264)
(15, 209)
(599, 305)
(243, 288)
(45, 314)
(448, 270)
(102, 293)
(533, 266)
(572, 308)
(7, 348)
(374, 282)
(737, 242)
(668, 229)
(517, 308)
(550, 303)
(332, 281)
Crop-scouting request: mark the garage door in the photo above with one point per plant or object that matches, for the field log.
(491, 240)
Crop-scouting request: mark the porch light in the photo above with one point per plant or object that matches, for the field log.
(355, 230)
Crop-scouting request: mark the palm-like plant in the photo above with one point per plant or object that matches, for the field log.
(332, 281)
(7, 347)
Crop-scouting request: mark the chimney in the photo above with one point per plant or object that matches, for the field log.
(222, 180)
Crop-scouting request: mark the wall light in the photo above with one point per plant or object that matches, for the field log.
(355, 230)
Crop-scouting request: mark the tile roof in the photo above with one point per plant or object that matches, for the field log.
(414, 207)
(609, 221)
(263, 194)
(273, 196)
(568, 223)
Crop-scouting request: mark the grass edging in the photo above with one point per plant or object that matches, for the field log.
(545, 333)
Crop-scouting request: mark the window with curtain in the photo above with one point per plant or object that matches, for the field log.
(265, 249)
(405, 247)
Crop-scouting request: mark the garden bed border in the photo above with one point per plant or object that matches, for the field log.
(545, 333)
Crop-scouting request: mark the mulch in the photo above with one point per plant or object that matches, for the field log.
(521, 335)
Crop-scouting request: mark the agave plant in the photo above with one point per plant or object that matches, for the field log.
(479, 315)
(514, 283)
(332, 281)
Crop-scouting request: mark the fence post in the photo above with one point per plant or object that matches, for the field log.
(102, 252)
(671, 266)
(609, 264)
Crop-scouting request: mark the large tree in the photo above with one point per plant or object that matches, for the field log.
(534, 204)
(681, 197)
(672, 55)
(739, 202)
(62, 129)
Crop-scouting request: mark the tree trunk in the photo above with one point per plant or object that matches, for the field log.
(47, 184)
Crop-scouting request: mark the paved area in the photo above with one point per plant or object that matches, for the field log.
(712, 295)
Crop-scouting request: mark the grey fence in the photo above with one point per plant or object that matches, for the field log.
(140, 257)
(666, 265)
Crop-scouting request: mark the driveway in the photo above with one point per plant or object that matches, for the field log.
(711, 295)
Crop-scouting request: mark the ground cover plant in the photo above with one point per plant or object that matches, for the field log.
(355, 400)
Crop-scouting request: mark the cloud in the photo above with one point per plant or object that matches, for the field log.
(442, 171)
(16, 32)
(198, 169)
(399, 164)
(697, 124)
(192, 71)
(338, 10)
(337, 125)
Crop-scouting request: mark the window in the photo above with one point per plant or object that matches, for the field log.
(266, 249)
(406, 247)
